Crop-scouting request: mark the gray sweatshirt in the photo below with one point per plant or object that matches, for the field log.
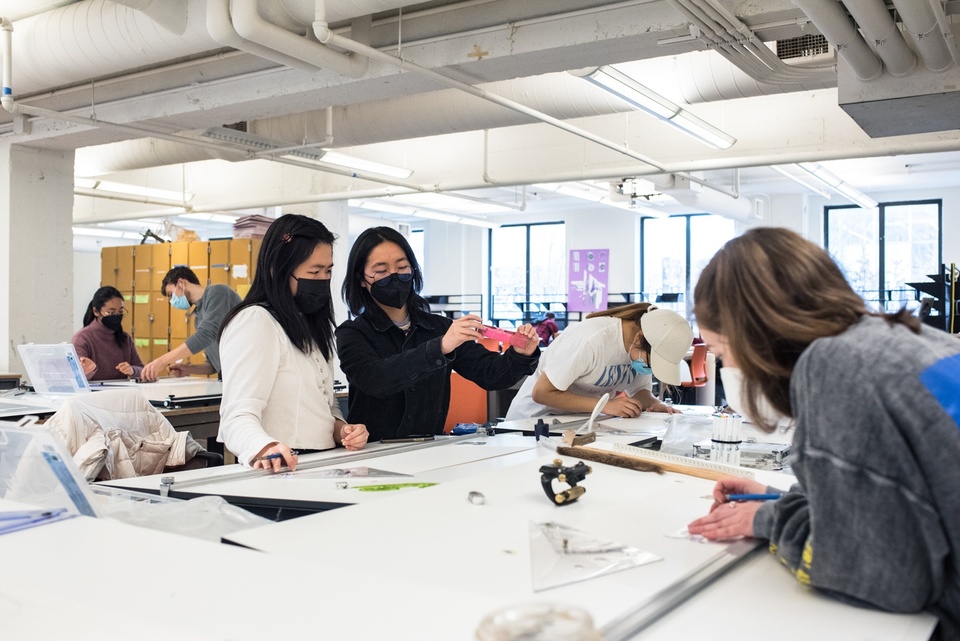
(213, 306)
(875, 516)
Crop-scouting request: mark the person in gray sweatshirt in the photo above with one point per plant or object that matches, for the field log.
(874, 519)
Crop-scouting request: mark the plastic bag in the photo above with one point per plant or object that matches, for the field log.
(683, 431)
(206, 517)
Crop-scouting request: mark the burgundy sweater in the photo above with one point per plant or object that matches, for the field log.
(97, 343)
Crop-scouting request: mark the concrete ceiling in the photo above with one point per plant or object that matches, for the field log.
(452, 143)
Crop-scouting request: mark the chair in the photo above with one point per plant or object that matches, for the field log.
(698, 367)
(118, 434)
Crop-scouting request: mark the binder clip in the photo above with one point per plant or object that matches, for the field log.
(541, 429)
(568, 475)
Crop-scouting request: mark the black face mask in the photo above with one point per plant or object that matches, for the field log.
(312, 295)
(113, 322)
(393, 290)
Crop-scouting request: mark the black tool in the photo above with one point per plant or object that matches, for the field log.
(570, 475)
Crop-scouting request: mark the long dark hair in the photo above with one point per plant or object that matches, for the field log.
(289, 242)
(100, 298)
(355, 295)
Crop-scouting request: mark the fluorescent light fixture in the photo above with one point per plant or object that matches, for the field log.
(105, 233)
(213, 218)
(263, 147)
(132, 190)
(419, 212)
(835, 183)
(800, 181)
(453, 203)
(628, 89)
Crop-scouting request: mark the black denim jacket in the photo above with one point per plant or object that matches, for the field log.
(400, 384)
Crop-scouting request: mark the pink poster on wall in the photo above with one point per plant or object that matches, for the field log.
(587, 289)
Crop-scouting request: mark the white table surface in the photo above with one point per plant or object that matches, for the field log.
(438, 536)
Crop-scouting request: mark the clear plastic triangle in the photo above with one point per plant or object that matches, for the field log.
(560, 555)
(339, 473)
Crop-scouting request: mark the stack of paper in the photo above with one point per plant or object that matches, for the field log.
(251, 226)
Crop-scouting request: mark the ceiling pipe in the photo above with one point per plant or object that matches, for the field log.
(839, 30)
(706, 76)
(734, 40)
(220, 28)
(945, 29)
(919, 20)
(248, 23)
(171, 14)
(877, 25)
(327, 37)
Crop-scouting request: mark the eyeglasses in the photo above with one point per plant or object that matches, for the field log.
(122, 312)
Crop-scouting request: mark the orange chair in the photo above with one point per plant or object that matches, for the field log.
(698, 367)
(468, 401)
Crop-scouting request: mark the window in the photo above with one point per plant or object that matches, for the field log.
(674, 252)
(882, 249)
(527, 271)
(416, 240)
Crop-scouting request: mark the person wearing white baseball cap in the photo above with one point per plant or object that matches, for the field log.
(615, 352)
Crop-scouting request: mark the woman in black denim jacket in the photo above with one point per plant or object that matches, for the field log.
(397, 356)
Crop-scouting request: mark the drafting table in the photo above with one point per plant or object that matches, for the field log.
(307, 491)
(27, 404)
(69, 580)
(439, 537)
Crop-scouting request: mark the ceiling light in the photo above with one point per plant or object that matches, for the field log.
(104, 233)
(213, 218)
(628, 89)
(131, 190)
(835, 183)
(420, 212)
(263, 147)
(800, 181)
(600, 195)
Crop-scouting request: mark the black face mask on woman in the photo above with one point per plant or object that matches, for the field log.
(393, 290)
(312, 295)
(112, 322)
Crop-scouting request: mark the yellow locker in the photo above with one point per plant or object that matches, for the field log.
(159, 316)
(142, 268)
(144, 349)
(220, 261)
(158, 348)
(178, 324)
(241, 264)
(108, 266)
(161, 265)
(179, 254)
(140, 327)
(125, 269)
(199, 261)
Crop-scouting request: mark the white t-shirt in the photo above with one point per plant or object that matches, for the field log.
(589, 359)
(271, 390)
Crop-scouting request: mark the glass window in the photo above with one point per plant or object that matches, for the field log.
(527, 269)
(881, 250)
(675, 251)
(416, 241)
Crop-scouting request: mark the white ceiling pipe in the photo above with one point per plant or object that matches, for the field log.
(221, 29)
(172, 15)
(741, 209)
(326, 36)
(736, 42)
(248, 23)
(706, 76)
(143, 153)
(839, 30)
(97, 38)
(945, 29)
(877, 25)
(920, 21)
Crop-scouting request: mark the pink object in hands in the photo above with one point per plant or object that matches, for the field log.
(497, 334)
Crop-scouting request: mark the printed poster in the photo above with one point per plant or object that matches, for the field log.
(587, 289)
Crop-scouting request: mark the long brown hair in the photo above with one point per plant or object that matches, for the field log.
(771, 293)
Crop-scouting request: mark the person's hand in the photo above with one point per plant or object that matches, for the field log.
(626, 406)
(533, 340)
(89, 367)
(179, 369)
(353, 436)
(151, 371)
(466, 328)
(728, 519)
(659, 406)
(274, 456)
(125, 368)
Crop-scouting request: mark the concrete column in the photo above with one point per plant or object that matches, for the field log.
(36, 249)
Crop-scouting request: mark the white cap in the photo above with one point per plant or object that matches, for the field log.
(670, 337)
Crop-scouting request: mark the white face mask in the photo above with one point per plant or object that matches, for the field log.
(732, 379)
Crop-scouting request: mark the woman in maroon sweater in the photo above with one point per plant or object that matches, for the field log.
(105, 350)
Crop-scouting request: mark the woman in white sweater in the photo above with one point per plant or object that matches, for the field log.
(277, 349)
